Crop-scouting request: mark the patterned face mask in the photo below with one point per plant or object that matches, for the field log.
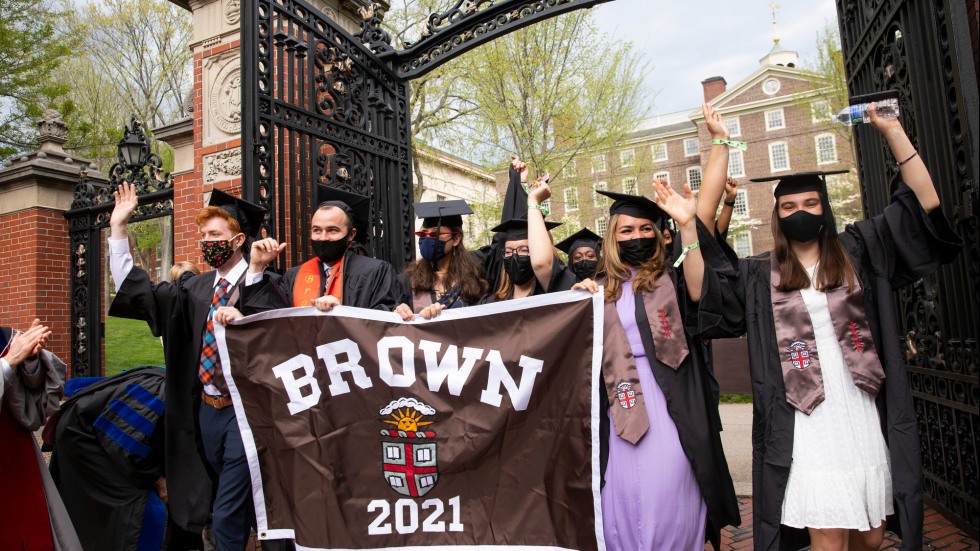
(216, 253)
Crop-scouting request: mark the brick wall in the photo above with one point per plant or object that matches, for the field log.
(36, 285)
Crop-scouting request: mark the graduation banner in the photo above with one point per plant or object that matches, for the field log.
(477, 428)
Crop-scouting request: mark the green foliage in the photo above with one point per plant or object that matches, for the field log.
(128, 344)
(485, 215)
(35, 39)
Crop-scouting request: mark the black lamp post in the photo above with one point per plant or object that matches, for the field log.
(133, 156)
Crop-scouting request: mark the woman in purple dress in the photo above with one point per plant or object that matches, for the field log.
(666, 483)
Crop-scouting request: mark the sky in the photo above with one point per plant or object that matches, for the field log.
(687, 41)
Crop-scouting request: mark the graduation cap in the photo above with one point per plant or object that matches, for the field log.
(582, 238)
(637, 206)
(442, 213)
(516, 228)
(800, 182)
(357, 206)
(248, 215)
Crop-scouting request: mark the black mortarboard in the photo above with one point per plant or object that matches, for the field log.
(356, 206)
(442, 213)
(582, 238)
(637, 206)
(516, 229)
(249, 215)
(800, 182)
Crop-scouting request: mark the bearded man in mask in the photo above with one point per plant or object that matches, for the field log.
(204, 446)
(334, 276)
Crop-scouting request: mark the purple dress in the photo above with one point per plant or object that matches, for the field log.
(651, 499)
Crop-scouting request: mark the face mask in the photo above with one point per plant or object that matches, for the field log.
(519, 269)
(669, 249)
(432, 249)
(802, 226)
(216, 253)
(330, 251)
(585, 269)
(637, 251)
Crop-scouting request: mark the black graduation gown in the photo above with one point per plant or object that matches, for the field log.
(690, 400)
(178, 312)
(368, 283)
(108, 453)
(889, 251)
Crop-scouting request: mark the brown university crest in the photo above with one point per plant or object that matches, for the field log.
(408, 453)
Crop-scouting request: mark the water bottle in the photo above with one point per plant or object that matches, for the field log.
(857, 114)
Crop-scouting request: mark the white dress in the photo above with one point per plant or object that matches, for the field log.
(840, 476)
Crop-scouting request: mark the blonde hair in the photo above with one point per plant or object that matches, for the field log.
(181, 267)
(616, 271)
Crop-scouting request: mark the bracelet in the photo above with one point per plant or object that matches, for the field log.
(687, 249)
(912, 156)
(545, 211)
(731, 143)
(730, 203)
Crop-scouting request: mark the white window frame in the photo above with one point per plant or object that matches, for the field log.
(600, 225)
(665, 174)
(626, 188)
(739, 154)
(598, 160)
(600, 201)
(747, 235)
(833, 148)
(734, 126)
(571, 199)
(687, 150)
(782, 119)
(689, 171)
(569, 170)
(627, 157)
(741, 208)
(772, 159)
(653, 152)
(816, 115)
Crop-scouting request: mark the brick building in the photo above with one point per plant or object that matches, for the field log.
(777, 110)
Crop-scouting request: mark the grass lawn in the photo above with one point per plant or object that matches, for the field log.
(129, 344)
(736, 399)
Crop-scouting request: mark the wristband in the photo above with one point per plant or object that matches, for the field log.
(730, 203)
(687, 249)
(545, 211)
(731, 143)
(912, 156)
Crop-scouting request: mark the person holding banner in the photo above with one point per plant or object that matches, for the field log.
(666, 480)
(447, 275)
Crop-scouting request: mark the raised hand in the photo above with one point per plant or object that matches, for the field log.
(126, 203)
(731, 189)
(263, 253)
(519, 166)
(883, 125)
(715, 123)
(681, 208)
(540, 191)
(28, 343)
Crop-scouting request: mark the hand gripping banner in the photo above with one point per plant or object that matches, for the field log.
(478, 428)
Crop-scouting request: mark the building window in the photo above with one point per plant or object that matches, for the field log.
(662, 175)
(770, 86)
(659, 151)
(694, 177)
(598, 199)
(690, 147)
(826, 149)
(736, 166)
(571, 199)
(733, 126)
(742, 243)
(741, 207)
(626, 157)
(598, 163)
(629, 186)
(600, 225)
(819, 111)
(440, 198)
(778, 156)
(775, 119)
(569, 170)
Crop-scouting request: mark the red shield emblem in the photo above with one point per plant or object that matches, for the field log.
(626, 395)
(408, 454)
(799, 355)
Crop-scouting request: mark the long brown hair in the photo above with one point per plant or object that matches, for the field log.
(834, 268)
(616, 271)
(462, 269)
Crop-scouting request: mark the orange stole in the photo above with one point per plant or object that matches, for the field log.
(307, 286)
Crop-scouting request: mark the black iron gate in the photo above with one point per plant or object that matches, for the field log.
(922, 49)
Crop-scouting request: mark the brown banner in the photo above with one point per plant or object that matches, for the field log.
(477, 428)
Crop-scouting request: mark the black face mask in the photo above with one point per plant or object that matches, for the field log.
(637, 251)
(669, 249)
(518, 268)
(585, 269)
(330, 251)
(802, 226)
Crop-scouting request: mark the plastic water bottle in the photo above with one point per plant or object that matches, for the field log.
(857, 114)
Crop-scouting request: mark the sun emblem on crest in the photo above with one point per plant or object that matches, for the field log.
(408, 454)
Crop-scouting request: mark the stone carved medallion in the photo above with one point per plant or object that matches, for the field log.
(224, 165)
(233, 11)
(225, 99)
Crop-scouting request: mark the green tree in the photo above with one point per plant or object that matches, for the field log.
(33, 43)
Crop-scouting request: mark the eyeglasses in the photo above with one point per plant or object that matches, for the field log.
(432, 234)
(519, 251)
